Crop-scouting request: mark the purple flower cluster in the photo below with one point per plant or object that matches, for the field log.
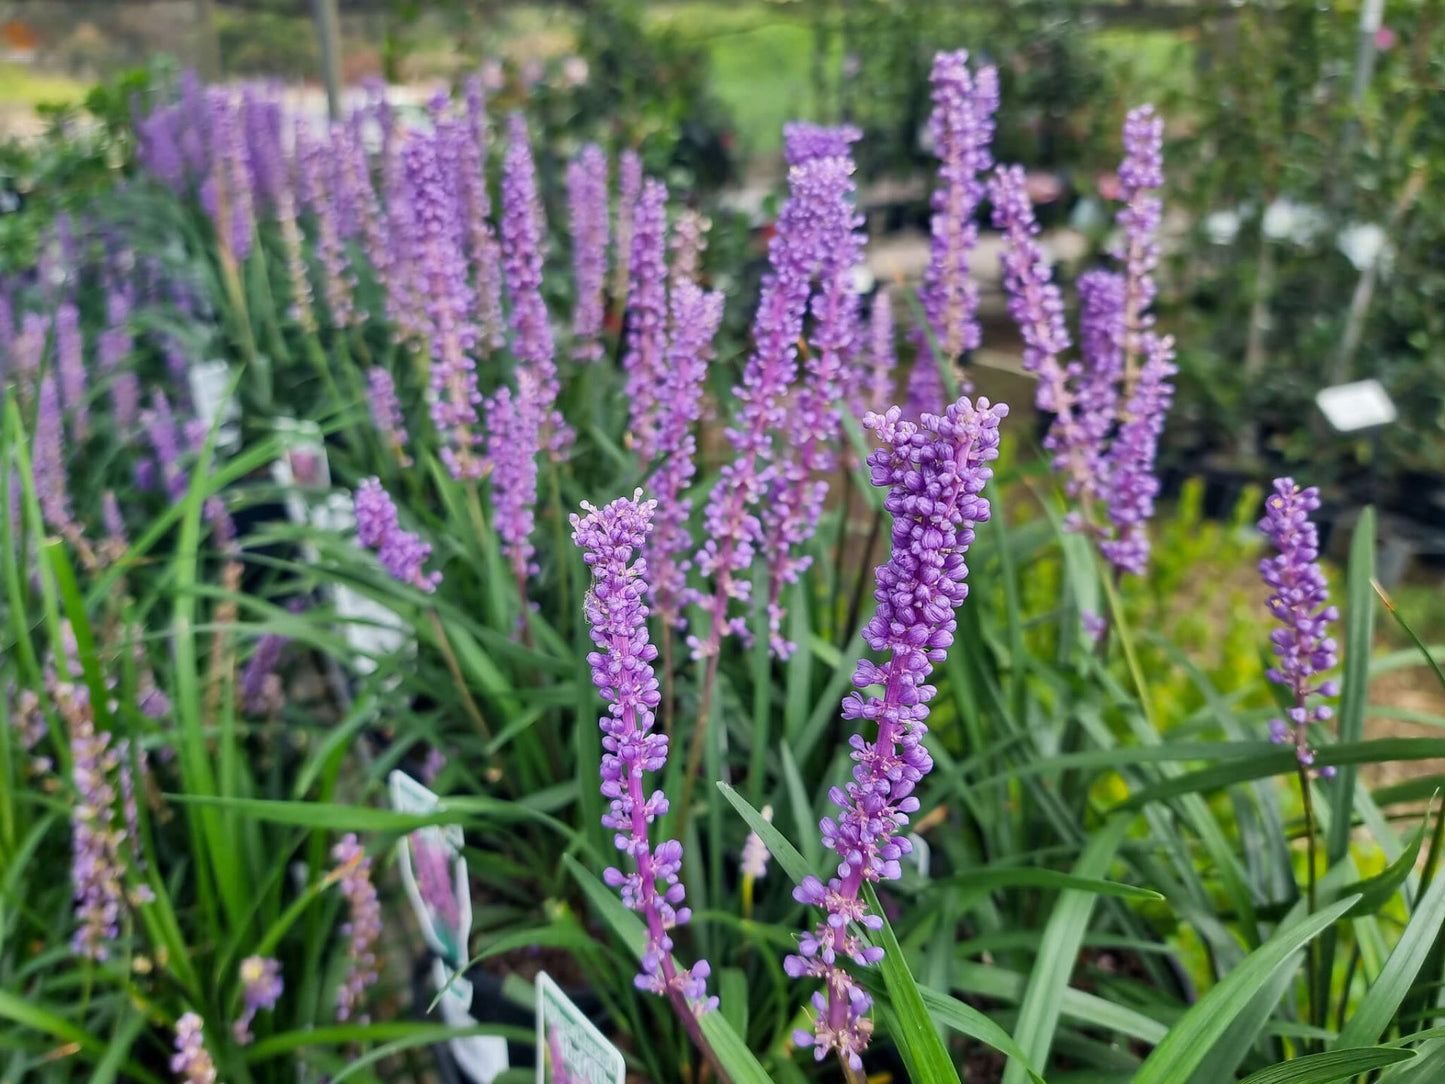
(732, 527)
(695, 319)
(261, 987)
(191, 1063)
(799, 483)
(483, 250)
(523, 254)
(647, 318)
(622, 671)
(1108, 407)
(689, 242)
(96, 869)
(1300, 603)
(362, 927)
(1148, 357)
(70, 364)
(514, 439)
(448, 304)
(587, 194)
(51, 483)
(934, 470)
(961, 127)
(629, 189)
(402, 553)
(323, 191)
(386, 413)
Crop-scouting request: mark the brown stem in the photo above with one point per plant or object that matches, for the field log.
(456, 671)
(694, 752)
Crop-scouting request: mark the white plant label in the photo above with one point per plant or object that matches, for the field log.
(1362, 405)
(210, 392)
(570, 1049)
(434, 873)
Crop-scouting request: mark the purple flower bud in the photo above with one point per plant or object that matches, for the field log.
(483, 250)
(689, 242)
(514, 439)
(320, 174)
(96, 869)
(261, 988)
(191, 1063)
(882, 355)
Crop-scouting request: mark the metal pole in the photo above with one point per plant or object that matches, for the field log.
(328, 37)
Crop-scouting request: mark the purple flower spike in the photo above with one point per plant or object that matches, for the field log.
(514, 439)
(448, 302)
(612, 539)
(587, 193)
(961, 126)
(1148, 361)
(689, 242)
(483, 250)
(386, 413)
(523, 254)
(48, 460)
(1300, 603)
(647, 317)
(70, 363)
(261, 988)
(799, 486)
(401, 553)
(96, 869)
(321, 173)
(227, 194)
(934, 471)
(160, 426)
(362, 927)
(731, 524)
(882, 355)
(629, 188)
(191, 1063)
(695, 319)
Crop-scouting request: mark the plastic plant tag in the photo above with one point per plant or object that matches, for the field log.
(210, 391)
(434, 873)
(1362, 405)
(570, 1049)
(301, 466)
(482, 1058)
(372, 631)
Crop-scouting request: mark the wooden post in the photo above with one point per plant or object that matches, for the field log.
(328, 37)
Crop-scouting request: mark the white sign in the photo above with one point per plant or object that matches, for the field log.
(434, 873)
(1361, 405)
(210, 387)
(570, 1049)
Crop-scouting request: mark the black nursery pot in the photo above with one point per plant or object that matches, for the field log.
(491, 1006)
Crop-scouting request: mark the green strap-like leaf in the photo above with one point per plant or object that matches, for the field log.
(1332, 1065)
(1059, 952)
(1203, 1025)
(918, 1041)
